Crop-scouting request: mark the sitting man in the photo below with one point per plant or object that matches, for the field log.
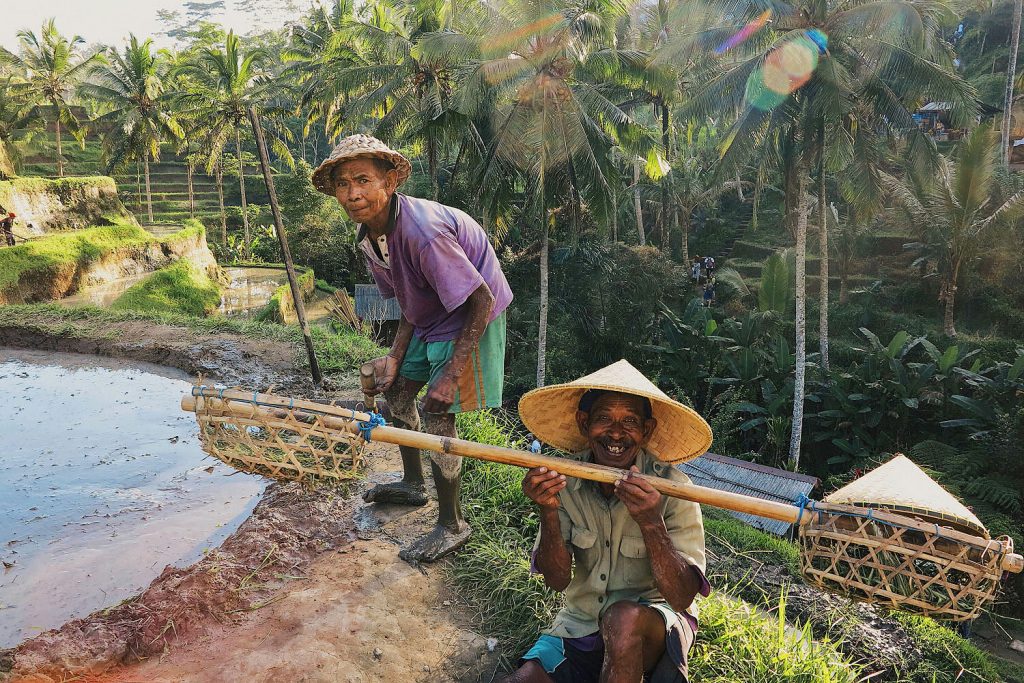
(629, 559)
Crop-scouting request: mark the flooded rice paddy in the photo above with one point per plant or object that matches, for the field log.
(102, 484)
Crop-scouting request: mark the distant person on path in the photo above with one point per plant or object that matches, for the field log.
(695, 270)
(709, 293)
(534, 443)
(629, 560)
(439, 264)
(7, 226)
(709, 266)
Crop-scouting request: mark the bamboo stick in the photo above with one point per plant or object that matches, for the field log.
(254, 405)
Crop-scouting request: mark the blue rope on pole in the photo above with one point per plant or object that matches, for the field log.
(366, 428)
(801, 502)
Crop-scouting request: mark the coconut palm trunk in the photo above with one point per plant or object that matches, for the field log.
(191, 192)
(665, 182)
(542, 325)
(1004, 139)
(149, 189)
(219, 172)
(432, 161)
(637, 208)
(684, 234)
(801, 318)
(823, 270)
(241, 188)
(947, 295)
(60, 152)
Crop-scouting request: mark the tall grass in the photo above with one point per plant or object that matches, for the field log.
(178, 288)
(336, 352)
(81, 246)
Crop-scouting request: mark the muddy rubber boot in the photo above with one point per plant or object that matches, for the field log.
(451, 531)
(411, 490)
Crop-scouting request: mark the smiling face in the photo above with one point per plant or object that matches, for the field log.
(364, 188)
(616, 428)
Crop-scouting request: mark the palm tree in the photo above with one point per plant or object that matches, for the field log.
(551, 125)
(965, 200)
(398, 83)
(822, 72)
(53, 67)
(1004, 138)
(130, 89)
(18, 126)
(219, 86)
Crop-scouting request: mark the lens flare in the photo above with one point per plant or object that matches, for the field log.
(744, 33)
(786, 69)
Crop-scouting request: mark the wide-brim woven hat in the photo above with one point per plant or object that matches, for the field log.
(901, 486)
(358, 147)
(550, 413)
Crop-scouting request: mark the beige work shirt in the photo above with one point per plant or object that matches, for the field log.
(609, 555)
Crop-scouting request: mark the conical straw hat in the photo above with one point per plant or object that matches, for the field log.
(358, 147)
(550, 413)
(901, 486)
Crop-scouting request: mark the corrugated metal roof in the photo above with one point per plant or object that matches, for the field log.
(750, 479)
(937, 106)
(371, 306)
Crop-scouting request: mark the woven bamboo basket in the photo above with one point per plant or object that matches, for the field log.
(286, 445)
(916, 562)
(900, 562)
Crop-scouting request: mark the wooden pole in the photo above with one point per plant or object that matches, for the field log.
(293, 283)
(253, 405)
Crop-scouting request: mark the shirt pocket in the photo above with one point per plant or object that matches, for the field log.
(583, 540)
(636, 567)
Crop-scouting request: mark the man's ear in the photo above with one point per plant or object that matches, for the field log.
(650, 424)
(391, 180)
(581, 422)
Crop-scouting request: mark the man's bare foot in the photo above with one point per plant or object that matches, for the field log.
(438, 543)
(399, 493)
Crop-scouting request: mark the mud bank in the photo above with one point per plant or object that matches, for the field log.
(287, 529)
(58, 280)
(231, 359)
(63, 204)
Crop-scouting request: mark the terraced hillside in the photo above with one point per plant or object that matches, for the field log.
(168, 178)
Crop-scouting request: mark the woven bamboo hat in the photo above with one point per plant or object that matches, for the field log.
(550, 413)
(901, 486)
(358, 147)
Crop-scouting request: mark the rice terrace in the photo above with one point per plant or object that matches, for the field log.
(519, 341)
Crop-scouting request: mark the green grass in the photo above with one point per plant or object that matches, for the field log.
(178, 288)
(336, 353)
(948, 658)
(44, 255)
(721, 529)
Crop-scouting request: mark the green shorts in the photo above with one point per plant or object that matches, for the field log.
(481, 383)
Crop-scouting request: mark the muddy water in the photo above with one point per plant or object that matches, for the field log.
(249, 289)
(105, 294)
(103, 484)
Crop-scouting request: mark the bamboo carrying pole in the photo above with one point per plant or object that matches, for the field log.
(254, 405)
(300, 307)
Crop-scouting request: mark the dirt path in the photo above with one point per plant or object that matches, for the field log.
(309, 588)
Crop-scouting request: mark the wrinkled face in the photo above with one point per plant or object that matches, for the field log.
(364, 189)
(616, 429)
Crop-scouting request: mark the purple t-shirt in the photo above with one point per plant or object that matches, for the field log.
(437, 256)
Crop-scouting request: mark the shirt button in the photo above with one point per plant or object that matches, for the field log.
(603, 577)
(600, 599)
(607, 544)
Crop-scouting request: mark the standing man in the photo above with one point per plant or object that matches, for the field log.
(439, 264)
